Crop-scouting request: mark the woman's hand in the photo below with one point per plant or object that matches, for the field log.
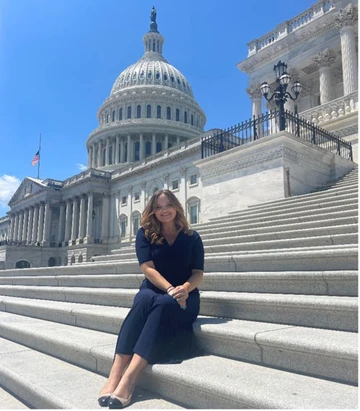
(180, 294)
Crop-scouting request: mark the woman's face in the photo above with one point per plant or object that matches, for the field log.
(164, 211)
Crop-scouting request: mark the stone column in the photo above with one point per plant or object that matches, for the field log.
(75, 213)
(41, 223)
(25, 225)
(255, 95)
(142, 151)
(122, 150)
(82, 218)
(16, 227)
(117, 142)
(177, 140)
(67, 221)
(61, 223)
(105, 219)
(89, 217)
(130, 205)
(143, 194)
(153, 144)
(99, 155)
(166, 142)
(107, 148)
(20, 228)
(166, 181)
(89, 157)
(35, 227)
(323, 60)
(113, 152)
(183, 190)
(93, 160)
(47, 225)
(128, 159)
(30, 225)
(12, 227)
(346, 21)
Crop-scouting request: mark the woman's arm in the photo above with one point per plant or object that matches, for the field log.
(181, 293)
(148, 268)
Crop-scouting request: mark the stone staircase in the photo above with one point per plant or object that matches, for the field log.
(278, 316)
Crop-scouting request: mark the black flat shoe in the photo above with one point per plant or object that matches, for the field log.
(104, 400)
(116, 402)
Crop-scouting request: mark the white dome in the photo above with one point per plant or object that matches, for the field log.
(152, 69)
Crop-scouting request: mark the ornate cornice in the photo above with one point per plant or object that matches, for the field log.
(347, 17)
(254, 91)
(325, 58)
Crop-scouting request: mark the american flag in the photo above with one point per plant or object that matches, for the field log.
(36, 159)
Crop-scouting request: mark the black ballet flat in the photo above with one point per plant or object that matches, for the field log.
(116, 402)
(104, 400)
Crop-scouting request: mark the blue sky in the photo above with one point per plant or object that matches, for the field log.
(60, 58)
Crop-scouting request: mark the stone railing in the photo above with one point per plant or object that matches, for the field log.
(317, 10)
(333, 109)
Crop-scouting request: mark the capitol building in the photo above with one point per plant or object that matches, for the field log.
(151, 135)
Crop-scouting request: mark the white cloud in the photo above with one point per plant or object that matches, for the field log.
(8, 186)
(81, 167)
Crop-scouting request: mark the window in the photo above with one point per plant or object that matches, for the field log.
(123, 227)
(129, 112)
(123, 200)
(138, 111)
(148, 111)
(136, 223)
(158, 112)
(185, 116)
(137, 151)
(22, 264)
(107, 118)
(148, 148)
(113, 116)
(194, 214)
(192, 119)
(120, 114)
(158, 146)
(136, 197)
(193, 179)
(175, 185)
(177, 114)
(168, 113)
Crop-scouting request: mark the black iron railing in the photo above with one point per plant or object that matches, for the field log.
(269, 123)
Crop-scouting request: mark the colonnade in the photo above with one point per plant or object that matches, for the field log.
(125, 149)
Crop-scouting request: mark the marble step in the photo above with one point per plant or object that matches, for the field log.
(290, 282)
(9, 402)
(321, 311)
(203, 382)
(45, 382)
(333, 354)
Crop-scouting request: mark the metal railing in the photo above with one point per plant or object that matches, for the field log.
(269, 123)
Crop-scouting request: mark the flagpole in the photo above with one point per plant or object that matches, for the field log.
(38, 175)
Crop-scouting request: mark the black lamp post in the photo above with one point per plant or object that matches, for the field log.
(280, 94)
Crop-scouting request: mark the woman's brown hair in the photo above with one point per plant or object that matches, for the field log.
(152, 226)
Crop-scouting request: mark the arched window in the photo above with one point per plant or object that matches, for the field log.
(52, 262)
(113, 116)
(148, 111)
(104, 156)
(192, 119)
(168, 113)
(22, 264)
(129, 112)
(107, 118)
(125, 151)
(110, 154)
(177, 114)
(185, 116)
(120, 114)
(193, 205)
(136, 222)
(158, 112)
(138, 111)
(148, 148)
(81, 258)
(158, 146)
(137, 151)
(123, 224)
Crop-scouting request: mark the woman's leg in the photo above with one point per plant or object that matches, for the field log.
(128, 380)
(117, 369)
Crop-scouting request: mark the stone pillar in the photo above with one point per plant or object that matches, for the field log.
(25, 225)
(323, 60)
(75, 213)
(346, 21)
(67, 221)
(183, 190)
(47, 225)
(113, 152)
(128, 159)
(35, 224)
(142, 151)
(30, 225)
(122, 150)
(93, 160)
(166, 181)
(61, 223)
(166, 142)
(12, 226)
(107, 148)
(117, 142)
(143, 194)
(99, 155)
(21, 220)
(89, 157)
(177, 140)
(153, 144)
(89, 217)
(130, 205)
(255, 95)
(82, 218)
(16, 227)
(41, 223)
(105, 219)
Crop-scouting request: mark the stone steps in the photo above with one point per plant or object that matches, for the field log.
(291, 282)
(9, 402)
(194, 383)
(46, 382)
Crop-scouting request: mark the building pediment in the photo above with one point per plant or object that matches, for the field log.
(28, 187)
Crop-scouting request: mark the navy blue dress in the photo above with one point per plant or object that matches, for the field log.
(156, 327)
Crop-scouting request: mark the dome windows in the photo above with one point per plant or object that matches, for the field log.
(166, 77)
(172, 78)
(129, 112)
(113, 116)
(185, 117)
(142, 74)
(148, 111)
(177, 115)
(157, 75)
(138, 111)
(120, 114)
(158, 112)
(149, 75)
(168, 113)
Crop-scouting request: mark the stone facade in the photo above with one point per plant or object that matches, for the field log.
(149, 137)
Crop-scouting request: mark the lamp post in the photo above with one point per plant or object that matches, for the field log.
(281, 95)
